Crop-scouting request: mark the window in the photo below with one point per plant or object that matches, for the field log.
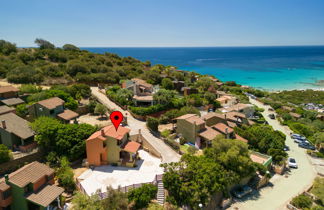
(52, 111)
(104, 144)
(6, 194)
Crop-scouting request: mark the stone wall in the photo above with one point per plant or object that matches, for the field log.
(13, 165)
(145, 144)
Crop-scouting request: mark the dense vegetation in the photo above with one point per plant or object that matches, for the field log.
(49, 65)
(298, 96)
(5, 153)
(196, 179)
(138, 198)
(60, 139)
(307, 124)
(264, 139)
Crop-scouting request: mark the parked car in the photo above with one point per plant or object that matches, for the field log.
(270, 109)
(298, 141)
(286, 148)
(292, 163)
(297, 136)
(306, 145)
(242, 191)
(272, 116)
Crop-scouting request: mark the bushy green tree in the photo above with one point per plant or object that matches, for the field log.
(264, 139)
(115, 200)
(152, 123)
(193, 180)
(142, 196)
(100, 109)
(29, 88)
(82, 201)
(233, 155)
(164, 96)
(43, 44)
(4, 153)
(7, 47)
(167, 84)
(70, 47)
(22, 110)
(63, 139)
(65, 175)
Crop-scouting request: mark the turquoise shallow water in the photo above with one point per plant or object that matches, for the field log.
(271, 68)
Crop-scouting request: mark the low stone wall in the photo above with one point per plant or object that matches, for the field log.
(145, 144)
(13, 165)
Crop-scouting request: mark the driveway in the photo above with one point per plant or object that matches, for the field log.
(168, 154)
(281, 188)
(103, 176)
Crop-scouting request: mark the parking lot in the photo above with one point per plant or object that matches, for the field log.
(103, 176)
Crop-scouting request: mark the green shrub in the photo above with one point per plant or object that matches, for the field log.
(175, 145)
(152, 123)
(65, 175)
(142, 196)
(5, 153)
(318, 190)
(182, 141)
(165, 133)
(143, 111)
(302, 201)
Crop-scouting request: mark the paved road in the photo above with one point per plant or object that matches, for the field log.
(168, 154)
(283, 188)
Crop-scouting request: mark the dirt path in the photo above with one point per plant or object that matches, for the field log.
(168, 154)
(282, 189)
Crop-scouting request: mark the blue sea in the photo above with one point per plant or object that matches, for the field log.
(270, 68)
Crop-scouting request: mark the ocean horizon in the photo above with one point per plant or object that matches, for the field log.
(271, 68)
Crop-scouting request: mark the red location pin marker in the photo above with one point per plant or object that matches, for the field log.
(116, 118)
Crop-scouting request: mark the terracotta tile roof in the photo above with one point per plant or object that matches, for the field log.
(29, 174)
(221, 127)
(209, 133)
(235, 114)
(16, 125)
(241, 138)
(132, 147)
(6, 89)
(68, 115)
(3, 185)
(46, 196)
(142, 82)
(51, 103)
(211, 115)
(231, 124)
(143, 98)
(258, 157)
(287, 108)
(238, 107)
(111, 132)
(5, 109)
(294, 115)
(12, 101)
(195, 119)
(185, 116)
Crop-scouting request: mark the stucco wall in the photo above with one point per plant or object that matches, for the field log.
(112, 150)
(187, 130)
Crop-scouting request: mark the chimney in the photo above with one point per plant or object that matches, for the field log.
(226, 132)
(4, 125)
(225, 116)
(139, 131)
(103, 132)
(6, 178)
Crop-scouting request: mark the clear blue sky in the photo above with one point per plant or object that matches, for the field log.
(163, 22)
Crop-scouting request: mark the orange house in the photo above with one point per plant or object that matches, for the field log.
(111, 146)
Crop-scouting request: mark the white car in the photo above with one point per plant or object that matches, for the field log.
(292, 163)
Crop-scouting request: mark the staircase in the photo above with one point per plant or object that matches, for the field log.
(160, 193)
